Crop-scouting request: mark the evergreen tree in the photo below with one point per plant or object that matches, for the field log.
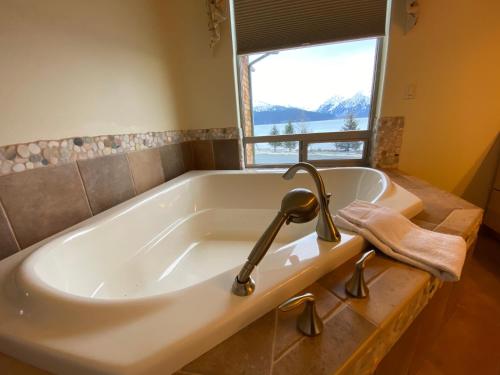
(350, 124)
(304, 129)
(289, 129)
(275, 131)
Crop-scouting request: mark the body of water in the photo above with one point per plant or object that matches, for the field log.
(324, 126)
(267, 153)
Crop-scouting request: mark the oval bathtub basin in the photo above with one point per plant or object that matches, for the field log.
(151, 279)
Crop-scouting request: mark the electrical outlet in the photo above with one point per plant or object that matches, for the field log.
(410, 91)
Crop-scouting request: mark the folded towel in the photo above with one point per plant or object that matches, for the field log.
(442, 255)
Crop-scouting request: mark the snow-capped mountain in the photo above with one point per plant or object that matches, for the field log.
(358, 105)
(276, 114)
(260, 106)
(333, 108)
(331, 104)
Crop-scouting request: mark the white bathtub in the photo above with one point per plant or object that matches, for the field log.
(146, 286)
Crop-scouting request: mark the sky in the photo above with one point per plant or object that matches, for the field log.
(308, 76)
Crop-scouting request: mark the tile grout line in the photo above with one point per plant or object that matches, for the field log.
(164, 177)
(9, 224)
(371, 282)
(335, 311)
(131, 174)
(288, 350)
(182, 372)
(212, 154)
(273, 345)
(84, 188)
(328, 316)
(191, 155)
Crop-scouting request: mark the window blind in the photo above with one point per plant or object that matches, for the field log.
(267, 25)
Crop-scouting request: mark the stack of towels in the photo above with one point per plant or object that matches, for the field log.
(442, 255)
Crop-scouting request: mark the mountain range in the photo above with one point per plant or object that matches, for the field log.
(334, 108)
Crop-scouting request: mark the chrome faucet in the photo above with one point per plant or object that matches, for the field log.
(297, 206)
(325, 227)
(309, 322)
(356, 286)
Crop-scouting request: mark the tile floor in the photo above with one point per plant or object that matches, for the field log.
(470, 341)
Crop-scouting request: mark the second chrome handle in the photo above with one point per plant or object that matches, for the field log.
(356, 286)
(308, 322)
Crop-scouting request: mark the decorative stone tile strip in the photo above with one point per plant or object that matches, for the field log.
(20, 157)
(386, 142)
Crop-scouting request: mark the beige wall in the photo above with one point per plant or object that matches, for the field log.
(453, 56)
(72, 67)
(92, 67)
(207, 94)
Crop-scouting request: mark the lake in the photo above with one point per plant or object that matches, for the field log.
(267, 153)
(311, 126)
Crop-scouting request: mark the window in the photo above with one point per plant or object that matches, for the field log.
(309, 104)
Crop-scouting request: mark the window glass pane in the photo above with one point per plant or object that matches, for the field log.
(324, 88)
(273, 153)
(335, 150)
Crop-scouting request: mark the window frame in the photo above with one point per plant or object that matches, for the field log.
(305, 139)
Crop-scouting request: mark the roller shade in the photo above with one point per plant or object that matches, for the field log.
(267, 25)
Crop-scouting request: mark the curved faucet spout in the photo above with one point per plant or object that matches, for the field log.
(320, 186)
(325, 228)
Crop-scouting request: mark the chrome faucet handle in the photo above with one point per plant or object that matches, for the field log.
(356, 286)
(308, 322)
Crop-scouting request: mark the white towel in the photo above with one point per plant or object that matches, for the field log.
(442, 255)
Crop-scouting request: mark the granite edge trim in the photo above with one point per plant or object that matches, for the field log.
(45, 153)
(366, 359)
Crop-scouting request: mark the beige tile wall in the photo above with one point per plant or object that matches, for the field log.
(38, 203)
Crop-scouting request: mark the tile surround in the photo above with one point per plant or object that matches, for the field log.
(45, 198)
(387, 139)
(176, 159)
(203, 155)
(247, 352)
(187, 156)
(44, 201)
(226, 154)
(22, 157)
(388, 291)
(146, 169)
(107, 181)
(325, 354)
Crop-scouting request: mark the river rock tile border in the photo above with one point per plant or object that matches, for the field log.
(387, 138)
(21, 157)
